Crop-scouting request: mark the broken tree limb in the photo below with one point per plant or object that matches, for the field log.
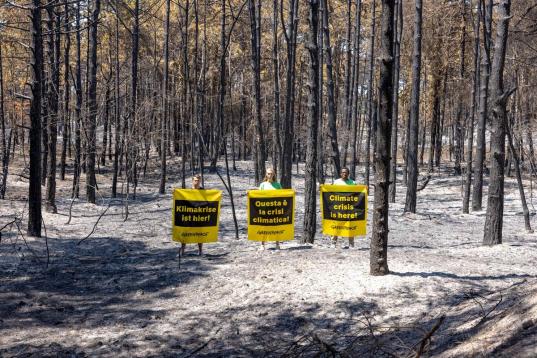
(429, 334)
(424, 183)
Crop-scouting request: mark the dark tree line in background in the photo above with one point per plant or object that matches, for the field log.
(395, 90)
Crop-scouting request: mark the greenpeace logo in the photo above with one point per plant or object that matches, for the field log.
(336, 227)
(187, 234)
(266, 232)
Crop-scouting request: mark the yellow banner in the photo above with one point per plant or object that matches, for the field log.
(271, 215)
(195, 215)
(344, 210)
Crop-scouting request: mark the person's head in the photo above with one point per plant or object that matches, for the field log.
(196, 181)
(344, 173)
(270, 175)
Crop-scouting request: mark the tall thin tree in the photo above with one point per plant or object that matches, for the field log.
(276, 141)
(34, 188)
(475, 101)
(164, 111)
(494, 217)
(259, 147)
(53, 100)
(477, 193)
(91, 181)
(332, 129)
(412, 153)
(398, 28)
(378, 262)
(290, 32)
(310, 187)
(370, 106)
(66, 119)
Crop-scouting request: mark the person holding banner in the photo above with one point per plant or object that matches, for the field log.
(196, 184)
(344, 180)
(270, 183)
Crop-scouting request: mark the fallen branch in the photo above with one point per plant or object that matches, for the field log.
(485, 317)
(96, 223)
(428, 336)
(424, 184)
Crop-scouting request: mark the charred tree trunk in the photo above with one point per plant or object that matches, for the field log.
(346, 101)
(378, 263)
(310, 187)
(370, 106)
(290, 34)
(187, 124)
(320, 125)
(435, 121)
(516, 159)
(53, 99)
(477, 194)
(66, 120)
(398, 29)
(91, 182)
(6, 144)
(459, 141)
(475, 90)
(332, 130)
(276, 142)
(34, 189)
(412, 154)
(259, 147)
(355, 87)
(164, 111)
(78, 109)
(494, 217)
(106, 123)
(132, 147)
(117, 145)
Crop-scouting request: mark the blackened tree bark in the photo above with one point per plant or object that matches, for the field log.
(355, 87)
(378, 263)
(516, 159)
(184, 105)
(91, 182)
(131, 145)
(6, 144)
(117, 141)
(332, 130)
(164, 111)
(310, 187)
(370, 105)
(78, 108)
(398, 29)
(494, 217)
(276, 142)
(477, 194)
(440, 127)
(475, 90)
(320, 125)
(412, 154)
(106, 119)
(67, 90)
(346, 101)
(435, 120)
(259, 147)
(34, 189)
(459, 142)
(53, 99)
(290, 34)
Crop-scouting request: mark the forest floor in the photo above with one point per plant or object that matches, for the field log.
(122, 292)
